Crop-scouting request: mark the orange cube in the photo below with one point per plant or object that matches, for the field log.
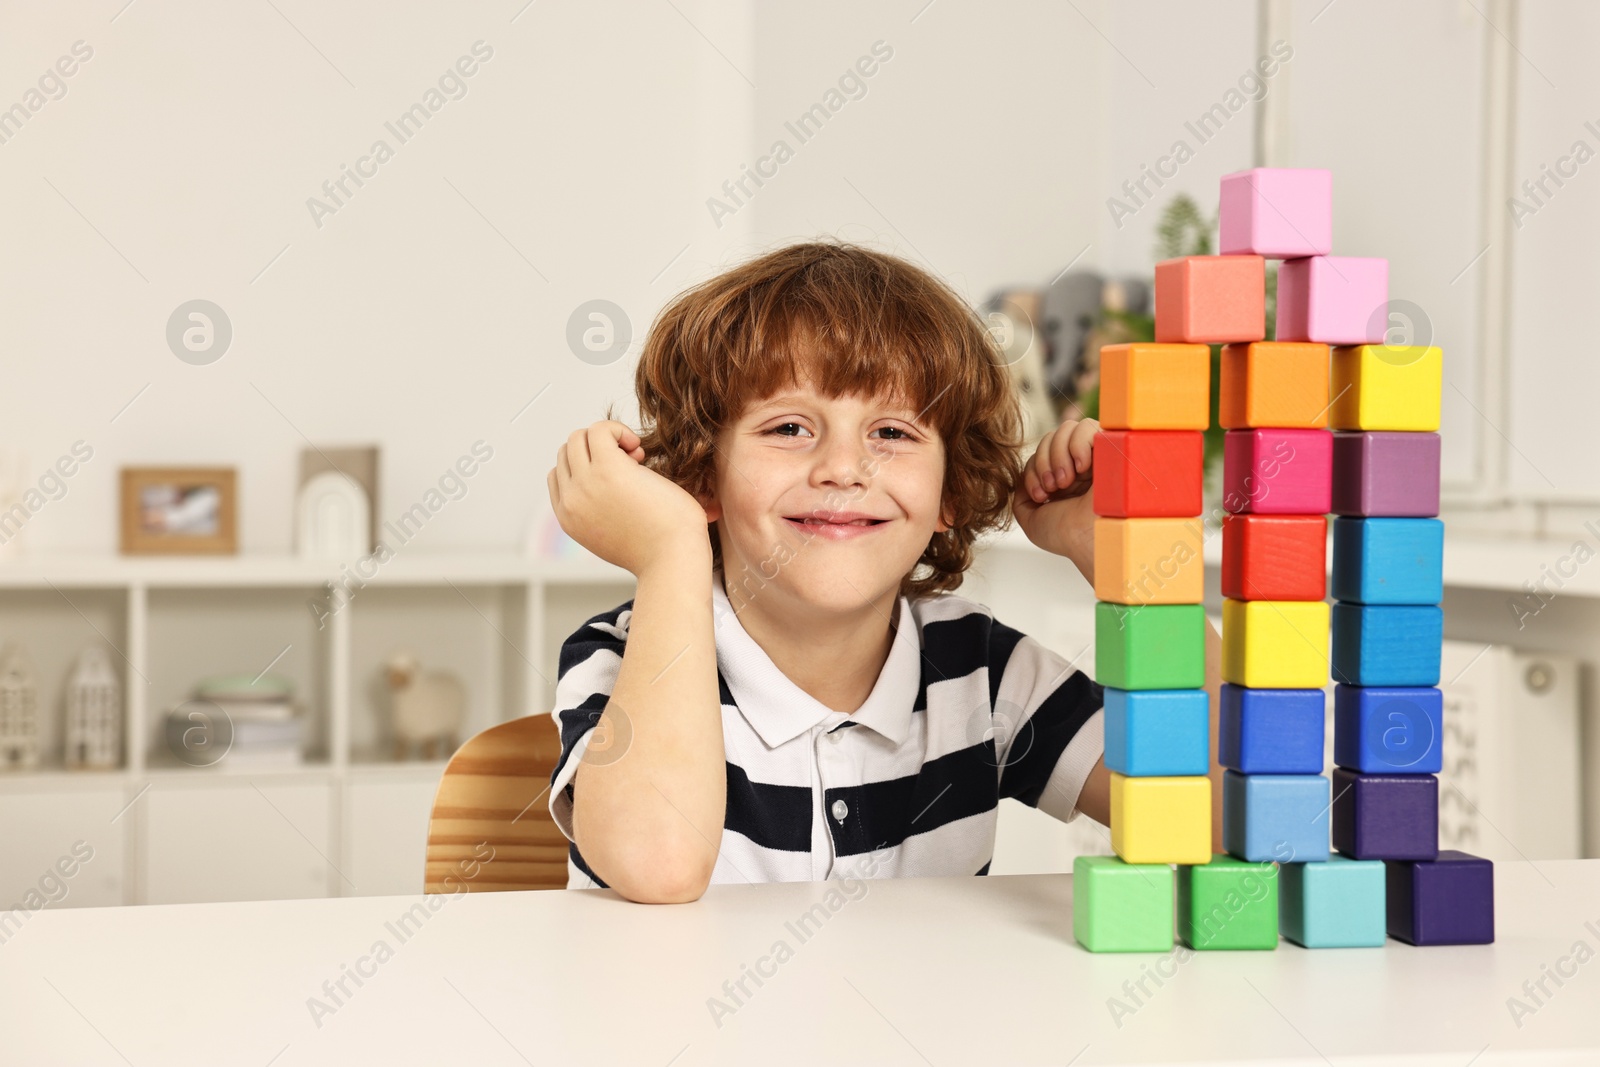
(1146, 386)
(1274, 384)
(1211, 299)
(1149, 561)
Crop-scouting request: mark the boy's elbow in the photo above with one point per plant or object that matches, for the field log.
(666, 881)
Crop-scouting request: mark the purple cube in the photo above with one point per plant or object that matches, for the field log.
(1446, 901)
(1276, 212)
(1386, 473)
(1385, 816)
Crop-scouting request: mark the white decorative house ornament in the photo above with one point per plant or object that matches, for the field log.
(94, 712)
(19, 709)
(333, 518)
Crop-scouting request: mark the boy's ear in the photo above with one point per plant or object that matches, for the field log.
(712, 506)
(945, 520)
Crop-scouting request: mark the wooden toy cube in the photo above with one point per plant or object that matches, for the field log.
(1161, 820)
(1274, 557)
(1228, 904)
(1275, 644)
(1340, 300)
(1445, 901)
(1122, 907)
(1155, 387)
(1211, 299)
(1388, 730)
(1150, 646)
(1153, 733)
(1279, 818)
(1386, 387)
(1387, 644)
(1277, 472)
(1274, 383)
(1341, 903)
(1276, 212)
(1149, 561)
(1148, 473)
(1388, 561)
(1271, 731)
(1385, 816)
(1384, 473)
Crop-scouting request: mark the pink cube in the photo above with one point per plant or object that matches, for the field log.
(1277, 472)
(1334, 300)
(1277, 212)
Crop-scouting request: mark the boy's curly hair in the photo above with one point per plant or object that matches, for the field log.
(858, 322)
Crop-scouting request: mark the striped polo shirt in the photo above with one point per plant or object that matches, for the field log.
(965, 711)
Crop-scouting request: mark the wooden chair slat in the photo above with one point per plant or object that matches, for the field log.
(494, 792)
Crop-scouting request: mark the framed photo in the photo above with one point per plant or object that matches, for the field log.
(179, 510)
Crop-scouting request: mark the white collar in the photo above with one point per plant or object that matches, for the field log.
(779, 710)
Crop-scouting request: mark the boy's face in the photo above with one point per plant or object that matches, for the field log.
(831, 500)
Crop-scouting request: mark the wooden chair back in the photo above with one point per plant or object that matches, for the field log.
(490, 829)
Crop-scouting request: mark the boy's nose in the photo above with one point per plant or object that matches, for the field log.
(843, 462)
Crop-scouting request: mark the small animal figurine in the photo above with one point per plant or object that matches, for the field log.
(428, 708)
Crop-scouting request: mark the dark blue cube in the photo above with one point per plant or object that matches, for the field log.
(1385, 816)
(1271, 731)
(1388, 730)
(1445, 901)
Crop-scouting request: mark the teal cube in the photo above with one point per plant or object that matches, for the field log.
(1336, 904)
(1122, 907)
(1158, 732)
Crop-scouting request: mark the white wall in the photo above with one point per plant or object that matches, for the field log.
(424, 314)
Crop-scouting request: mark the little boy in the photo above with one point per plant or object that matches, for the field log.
(795, 692)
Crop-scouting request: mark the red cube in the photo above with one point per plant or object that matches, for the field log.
(1274, 557)
(1211, 299)
(1148, 473)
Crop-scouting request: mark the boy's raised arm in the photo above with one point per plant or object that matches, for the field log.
(648, 809)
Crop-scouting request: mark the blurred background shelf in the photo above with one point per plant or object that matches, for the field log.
(351, 817)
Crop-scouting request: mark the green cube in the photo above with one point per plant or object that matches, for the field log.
(1121, 907)
(1228, 904)
(1150, 646)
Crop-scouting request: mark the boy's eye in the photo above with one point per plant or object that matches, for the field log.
(783, 429)
(900, 435)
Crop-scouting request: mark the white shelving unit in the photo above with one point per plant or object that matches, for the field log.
(351, 819)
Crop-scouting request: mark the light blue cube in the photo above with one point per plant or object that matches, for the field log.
(1275, 817)
(1386, 644)
(1339, 903)
(1388, 561)
(1158, 732)
(1388, 730)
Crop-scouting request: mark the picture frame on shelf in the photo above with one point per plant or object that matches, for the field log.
(179, 511)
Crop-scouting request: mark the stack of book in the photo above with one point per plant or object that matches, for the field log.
(266, 725)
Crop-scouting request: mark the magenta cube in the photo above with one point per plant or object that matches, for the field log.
(1277, 471)
(1444, 901)
(1277, 212)
(1335, 300)
(1383, 472)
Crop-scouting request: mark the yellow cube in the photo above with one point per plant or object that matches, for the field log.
(1149, 561)
(1161, 820)
(1386, 387)
(1275, 644)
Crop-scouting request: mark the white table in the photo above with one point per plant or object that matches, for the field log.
(943, 971)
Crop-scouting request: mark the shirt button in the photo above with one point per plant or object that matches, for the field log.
(840, 810)
(836, 735)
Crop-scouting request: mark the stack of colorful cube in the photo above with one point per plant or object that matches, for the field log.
(1150, 627)
(1277, 478)
(1388, 581)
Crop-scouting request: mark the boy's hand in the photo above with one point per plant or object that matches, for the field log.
(622, 511)
(1054, 500)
